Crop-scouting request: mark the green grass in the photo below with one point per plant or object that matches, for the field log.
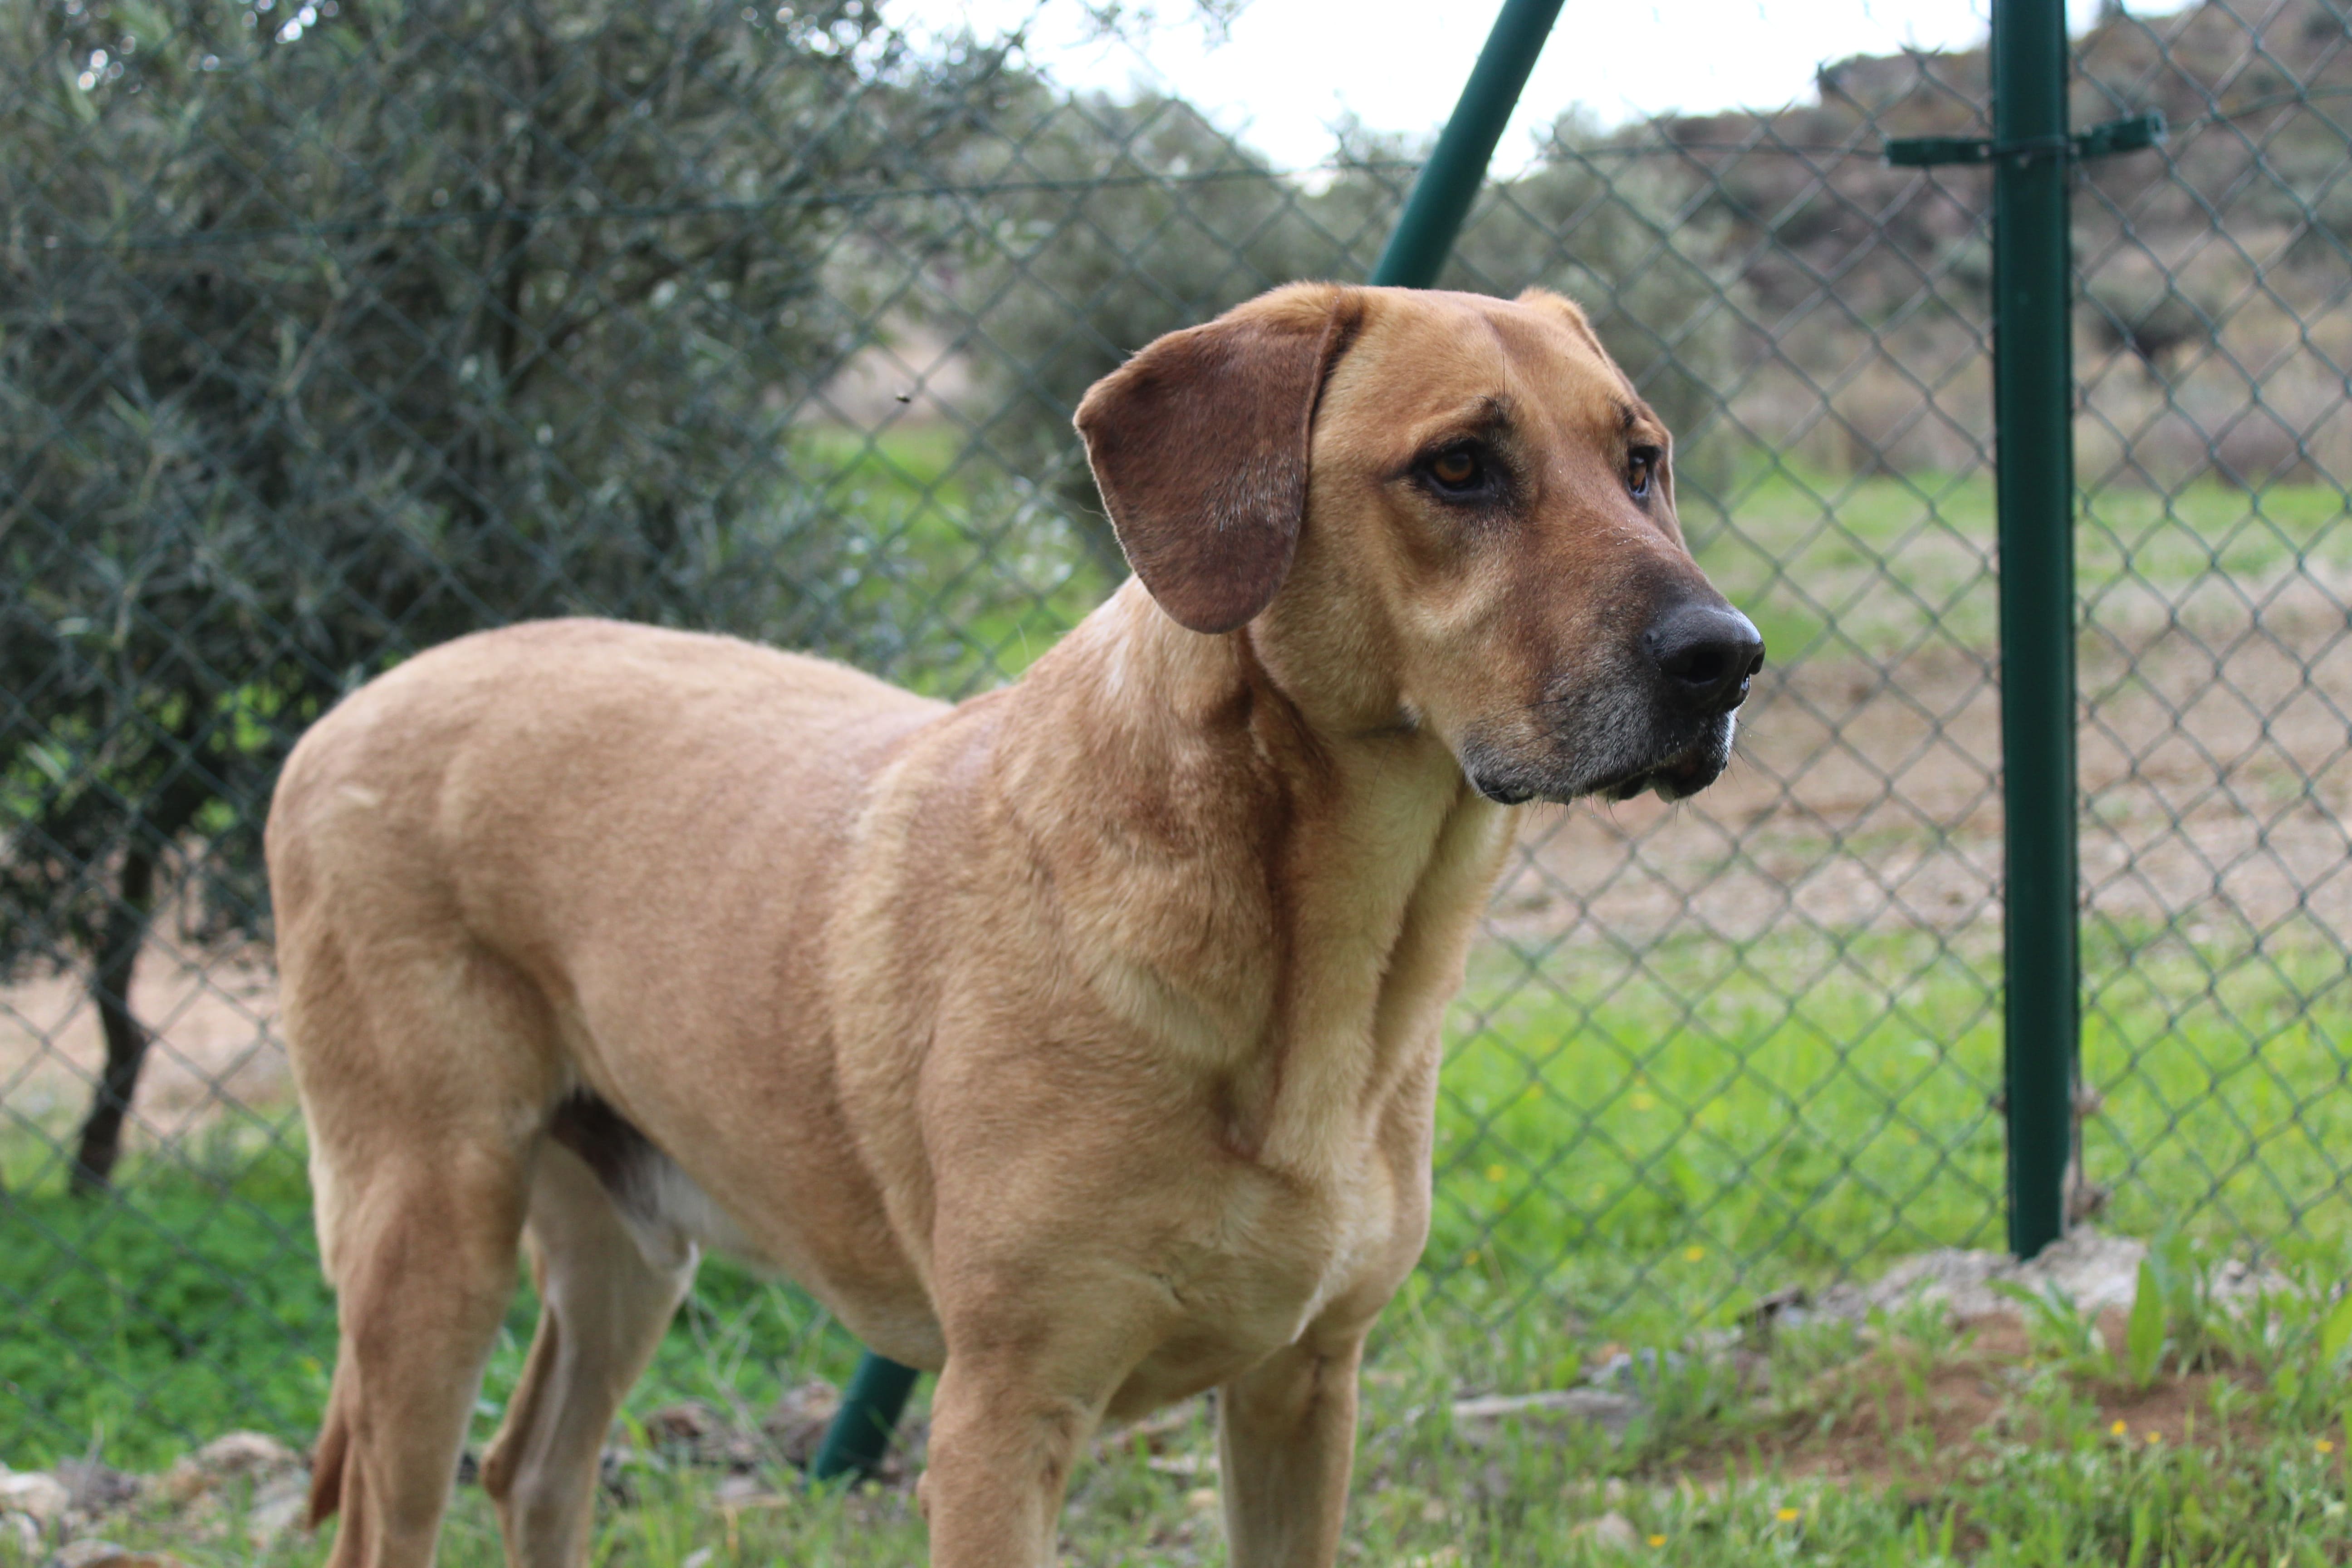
(132, 1322)
(1661, 1143)
(1828, 1444)
(189, 1304)
(1835, 566)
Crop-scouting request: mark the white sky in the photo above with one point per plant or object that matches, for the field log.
(1291, 69)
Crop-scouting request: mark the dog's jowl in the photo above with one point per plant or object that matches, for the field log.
(1079, 1041)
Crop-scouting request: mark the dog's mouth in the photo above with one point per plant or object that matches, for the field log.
(1679, 775)
(1674, 779)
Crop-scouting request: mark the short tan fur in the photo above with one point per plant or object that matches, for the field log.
(1079, 1041)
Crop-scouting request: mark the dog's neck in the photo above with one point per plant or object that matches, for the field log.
(1284, 897)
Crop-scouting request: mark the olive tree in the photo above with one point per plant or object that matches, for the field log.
(330, 329)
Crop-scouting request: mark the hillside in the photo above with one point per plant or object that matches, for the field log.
(2211, 324)
(2257, 107)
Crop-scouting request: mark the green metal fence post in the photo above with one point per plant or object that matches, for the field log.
(860, 1433)
(1425, 233)
(2035, 442)
(1442, 193)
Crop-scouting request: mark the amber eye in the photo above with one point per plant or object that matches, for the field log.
(1638, 469)
(1457, 469)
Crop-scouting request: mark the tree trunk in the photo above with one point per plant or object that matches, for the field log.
(126, 1037)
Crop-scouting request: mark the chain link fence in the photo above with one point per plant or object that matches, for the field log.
(330, 329)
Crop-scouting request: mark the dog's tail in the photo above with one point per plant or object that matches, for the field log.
(328, 1460)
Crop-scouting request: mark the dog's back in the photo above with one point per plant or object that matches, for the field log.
(562, 799)
(543, 746)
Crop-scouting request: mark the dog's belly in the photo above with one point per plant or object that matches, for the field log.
(660, 1204)
(672, 1218)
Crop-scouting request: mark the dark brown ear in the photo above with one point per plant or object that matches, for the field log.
(1199, 445)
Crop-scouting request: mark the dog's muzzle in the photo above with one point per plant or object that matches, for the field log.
(1662, 721)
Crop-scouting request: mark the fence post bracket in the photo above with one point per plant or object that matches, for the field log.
(2134, 134)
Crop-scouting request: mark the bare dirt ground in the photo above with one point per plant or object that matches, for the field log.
(2217, 775)
(1902, 1414)
(217, 1046)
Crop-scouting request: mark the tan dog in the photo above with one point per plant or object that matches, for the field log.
(1079, 1041)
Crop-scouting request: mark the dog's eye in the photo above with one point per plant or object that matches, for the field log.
(1639, 468)
(1458, 470)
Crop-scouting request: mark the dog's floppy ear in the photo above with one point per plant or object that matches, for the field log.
(1198, 445)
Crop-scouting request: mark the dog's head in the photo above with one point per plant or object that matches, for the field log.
(1433, 510)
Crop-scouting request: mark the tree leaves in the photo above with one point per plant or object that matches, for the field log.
(318, 347)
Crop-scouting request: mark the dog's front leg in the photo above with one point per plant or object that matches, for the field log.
(1285, 1440)
(1003, 1443)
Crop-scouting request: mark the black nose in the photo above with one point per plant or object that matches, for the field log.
(1706, 652)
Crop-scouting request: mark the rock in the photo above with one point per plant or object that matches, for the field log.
(247, 1454)
(1628, 1370)
(276, 1481)
(2092, 1270)
(253, 1454)
(277, 1506)
(694, 1432)
(688, 1424)
(38, 1494)
(797, 1424)
(98, 1488)
(1478, 1420)
(738, 1492)
(2233, 1278)
(106, 1554)
(21, 1529)
(1611, 1529)
(1792, 1306)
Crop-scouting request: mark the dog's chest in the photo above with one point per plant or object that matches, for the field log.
(1283, 1261)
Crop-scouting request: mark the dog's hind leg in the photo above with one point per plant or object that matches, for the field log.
(422, 1253)
(425, 1079)
(604, 1304)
